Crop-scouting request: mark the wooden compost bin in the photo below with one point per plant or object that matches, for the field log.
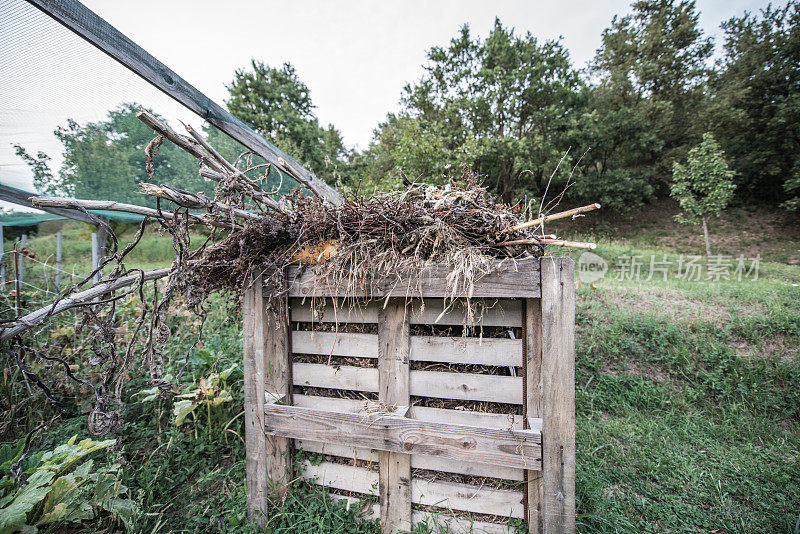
(483, 434)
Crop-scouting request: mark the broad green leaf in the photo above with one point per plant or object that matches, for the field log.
(65, 456)
(182, 409)
(148, 394)
(227, 372)
(66, 502)
(14, 516)
(222, 396)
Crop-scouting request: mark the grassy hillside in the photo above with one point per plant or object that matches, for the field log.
(688, 398)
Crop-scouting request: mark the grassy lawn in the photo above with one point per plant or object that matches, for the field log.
(688, 405)
(688, 402)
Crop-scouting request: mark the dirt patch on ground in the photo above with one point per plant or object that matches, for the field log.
(636, 368)
(777, 347)
(672, 304)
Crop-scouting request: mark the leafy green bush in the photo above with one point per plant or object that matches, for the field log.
(51, 493)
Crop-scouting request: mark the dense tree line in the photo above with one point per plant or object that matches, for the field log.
(516, 110)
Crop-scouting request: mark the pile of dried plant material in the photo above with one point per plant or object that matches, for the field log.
(363, 240)
(352, 242)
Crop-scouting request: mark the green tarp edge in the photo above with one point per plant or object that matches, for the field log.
(19, 219)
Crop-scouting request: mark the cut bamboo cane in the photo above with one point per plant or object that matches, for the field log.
(556, 216)
(556, 242)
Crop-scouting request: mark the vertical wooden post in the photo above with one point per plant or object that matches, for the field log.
(532, 321)
(277, 385)
(58, 261)
(102, 239)
(23, 242)
(394, 340)
(17, 286)
(266, 370)
(556, 513)
(95, 258)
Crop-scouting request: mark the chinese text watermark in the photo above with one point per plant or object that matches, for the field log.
(717, 268)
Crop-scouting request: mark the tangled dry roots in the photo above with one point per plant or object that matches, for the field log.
(363, 240)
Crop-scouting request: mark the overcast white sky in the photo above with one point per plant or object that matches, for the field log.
(354, 55)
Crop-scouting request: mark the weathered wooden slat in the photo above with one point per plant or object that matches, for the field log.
(518, 279)
(256, 462)
(341, 377)
(394, 340)
(277, 382)
(467, 350)
(431, 463)
(437, 522)
(441, 494)
(333, 404)
(335, 343)
(455, 525)
(424, 413)
(558, 395)
(502, 312)
(78, 18)
(458, 386)
(511, 448)
(467, 386)
(342, 477)
(477, 499)
(463, 350)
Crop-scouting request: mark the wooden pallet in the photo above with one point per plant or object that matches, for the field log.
(474, 431)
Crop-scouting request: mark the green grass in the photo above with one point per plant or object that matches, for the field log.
(687, 399)
(688, 422)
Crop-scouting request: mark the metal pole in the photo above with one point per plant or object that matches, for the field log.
(58, 261)
(22, 243)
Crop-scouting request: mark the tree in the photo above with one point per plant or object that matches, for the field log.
(648, 79)
(756, 103)
(504, 105)
(278, 105)
(105, 160)
(704, 186)
(39, 164)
